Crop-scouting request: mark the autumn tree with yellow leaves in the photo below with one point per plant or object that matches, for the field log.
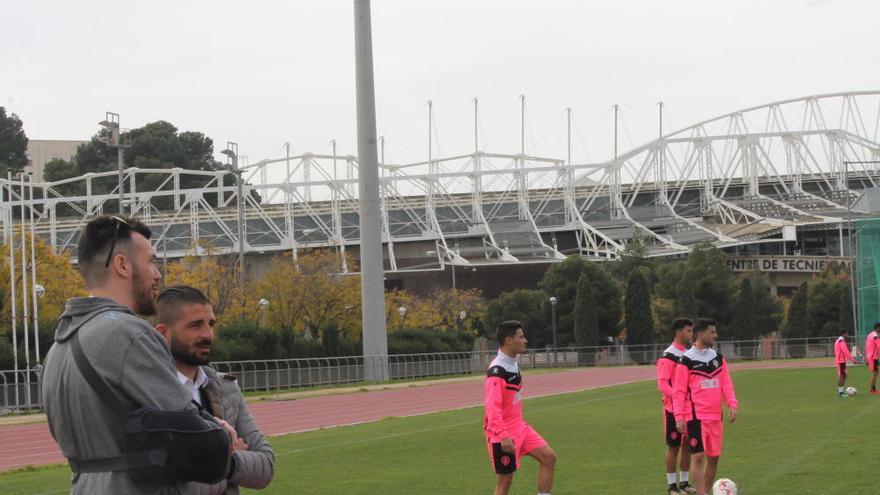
(54, 272)
(312, 291)
(442, 310)
(218, 278)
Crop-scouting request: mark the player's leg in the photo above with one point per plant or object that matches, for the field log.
(535, 446)
(709, 473)
(841, 379)
(698, 466)
(546, 458)
(505, 465)
(684, 468)
(673, 440)
(713, 435)
(502, 487)
(874, 371)
(696, 444)
(671, 458)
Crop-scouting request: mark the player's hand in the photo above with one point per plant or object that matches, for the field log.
(733, 414)
(233, 435)
(239, 444)
(508, 446)
(681, 426)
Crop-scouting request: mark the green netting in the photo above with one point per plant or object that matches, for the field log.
(867, 274)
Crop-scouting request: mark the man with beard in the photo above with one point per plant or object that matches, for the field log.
(185, 318)
(702, 381)
(107, 363)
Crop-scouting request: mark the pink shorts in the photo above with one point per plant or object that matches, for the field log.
(705, 436)
(526, 441)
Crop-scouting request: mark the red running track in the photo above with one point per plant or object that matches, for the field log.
(32, 444)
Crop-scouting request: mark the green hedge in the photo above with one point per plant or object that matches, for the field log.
(246, 340)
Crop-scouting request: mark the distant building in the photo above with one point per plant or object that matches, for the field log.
(42, 151)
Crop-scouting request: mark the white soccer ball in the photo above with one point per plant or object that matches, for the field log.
(851, 391)
(724, 487)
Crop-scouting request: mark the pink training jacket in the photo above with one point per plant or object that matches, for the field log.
(701, 380)
(666, 372)
(503, 417)
(841, 352)
(871, 347)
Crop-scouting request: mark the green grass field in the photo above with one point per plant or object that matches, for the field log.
(793, 436)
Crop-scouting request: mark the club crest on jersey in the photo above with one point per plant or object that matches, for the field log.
(715, 363)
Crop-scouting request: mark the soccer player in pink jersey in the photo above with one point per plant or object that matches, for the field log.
(872, 354)
(682, 330)
(841, 356)
(701, 381)
(508, 436)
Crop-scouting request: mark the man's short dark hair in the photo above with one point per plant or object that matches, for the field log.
(703, 324)
(96, 239)
(679, 324)
(172, 298)
(844, 332)
(877, 326)
(507, 329)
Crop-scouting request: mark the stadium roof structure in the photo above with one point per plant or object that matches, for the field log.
(750, 176)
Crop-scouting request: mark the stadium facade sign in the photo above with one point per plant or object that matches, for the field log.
(795, 264)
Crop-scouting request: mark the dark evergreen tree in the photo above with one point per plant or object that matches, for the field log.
(706, 287)
(526, 306)
(586, 315)
(796, 320)
(13, 143)
(639, 320)
(561, 280)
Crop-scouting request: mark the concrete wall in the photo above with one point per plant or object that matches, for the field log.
(42, 151)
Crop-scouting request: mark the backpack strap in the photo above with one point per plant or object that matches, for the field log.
(110, 398)
(134, 460)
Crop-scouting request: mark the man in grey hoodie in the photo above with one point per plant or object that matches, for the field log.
(118, 265)
(185, 317)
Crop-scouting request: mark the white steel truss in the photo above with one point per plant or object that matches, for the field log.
(734, 179)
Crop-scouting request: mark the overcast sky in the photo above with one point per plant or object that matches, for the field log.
(262, 73)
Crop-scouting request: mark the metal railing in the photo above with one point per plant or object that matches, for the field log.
(20, 391)
(282, 374)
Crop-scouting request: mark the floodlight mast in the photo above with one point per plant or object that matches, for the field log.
(375, 336)
(111, 123)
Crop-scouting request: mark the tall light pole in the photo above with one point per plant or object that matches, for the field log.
(24, 297)
(12, 284)
(375, 336)
(553, 302)
(36, 288)
(111, 123)
(231, 152)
